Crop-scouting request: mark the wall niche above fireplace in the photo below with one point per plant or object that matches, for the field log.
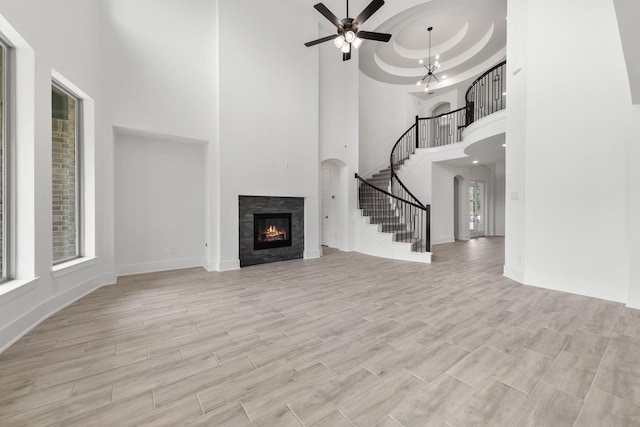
(271, 229)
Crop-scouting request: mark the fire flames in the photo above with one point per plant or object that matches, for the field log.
(271, 233)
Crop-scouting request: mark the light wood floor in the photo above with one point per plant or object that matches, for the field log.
(343, 340)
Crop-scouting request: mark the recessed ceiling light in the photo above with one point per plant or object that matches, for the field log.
(504, 93)
(421, 61)
(437, 56)
(475, 161)
(504, 145)
(443, 77)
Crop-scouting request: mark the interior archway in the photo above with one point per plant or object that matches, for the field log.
(441, 108)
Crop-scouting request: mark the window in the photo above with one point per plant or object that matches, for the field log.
(65, 122)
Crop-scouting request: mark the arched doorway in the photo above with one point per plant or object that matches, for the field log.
(441, 108)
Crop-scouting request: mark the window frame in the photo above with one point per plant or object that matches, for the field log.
(55, 83)
(6, 272)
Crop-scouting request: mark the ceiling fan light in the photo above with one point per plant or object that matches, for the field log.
(338, 41)
(357, 42)
(346, 48)
(418, 82)
(350, 36)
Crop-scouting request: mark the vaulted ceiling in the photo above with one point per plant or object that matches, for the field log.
(469, 36)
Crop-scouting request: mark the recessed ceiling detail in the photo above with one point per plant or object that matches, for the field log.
(469, 36)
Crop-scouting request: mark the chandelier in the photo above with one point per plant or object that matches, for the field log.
(430, 68)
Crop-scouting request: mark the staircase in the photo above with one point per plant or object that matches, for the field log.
(392, 226)
(394, 223)
(382, 179)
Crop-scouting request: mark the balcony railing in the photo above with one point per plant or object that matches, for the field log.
(487, 94)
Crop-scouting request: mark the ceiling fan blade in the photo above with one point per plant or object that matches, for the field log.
(368, 11)
(368, 35)
(322, 40)
(346, 56)
(328, 14)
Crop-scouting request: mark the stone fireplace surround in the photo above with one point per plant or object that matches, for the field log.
(248, 205)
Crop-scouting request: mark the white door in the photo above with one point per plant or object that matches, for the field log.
(325, 190)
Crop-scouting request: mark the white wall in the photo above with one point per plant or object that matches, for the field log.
(161, 58)
(384, 117)
(442, 204)
(515, 205)
(338, 137)
(268, 114)
(426, 106)
(163, 78)
(566, 180)
(159, 204)
(627, 12)
(633, 208)
(499, 198)
(73, 51)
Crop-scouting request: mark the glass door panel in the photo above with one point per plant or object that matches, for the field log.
(476, 208)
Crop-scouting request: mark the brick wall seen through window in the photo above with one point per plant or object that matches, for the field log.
(65, 175)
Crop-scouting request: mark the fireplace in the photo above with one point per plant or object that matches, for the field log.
(271, 230)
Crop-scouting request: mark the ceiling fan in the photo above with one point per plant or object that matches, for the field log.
(349, 29)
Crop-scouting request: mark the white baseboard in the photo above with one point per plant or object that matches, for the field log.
(229, 265)
(211, 267)
(513, 274)
(441, 240)
(317, 253)
(24, 324)
(155, 266)
(109, 279)
(634, 304)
